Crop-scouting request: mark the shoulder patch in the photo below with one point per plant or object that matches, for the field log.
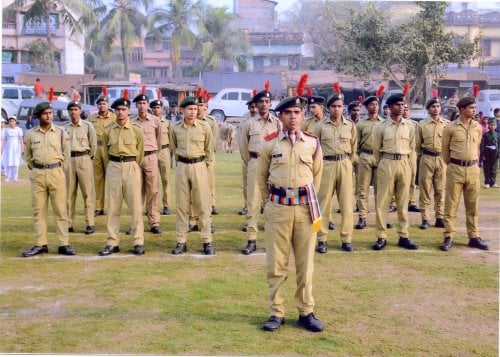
(271, 136)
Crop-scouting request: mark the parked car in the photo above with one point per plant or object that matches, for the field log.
(12, 96)
(487, 101)
(117, 92)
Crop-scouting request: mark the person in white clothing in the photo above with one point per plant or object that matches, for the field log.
(12, 149)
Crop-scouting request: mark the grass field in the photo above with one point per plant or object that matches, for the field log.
(394, 302)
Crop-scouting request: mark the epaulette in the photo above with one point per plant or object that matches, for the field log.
(318, 144)
(310, 134)
(109, 124)
(271, 136)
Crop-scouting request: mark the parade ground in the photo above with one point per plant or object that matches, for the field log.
(392, 302)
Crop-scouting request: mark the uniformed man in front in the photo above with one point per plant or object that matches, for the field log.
(163, 155)
(253, 133)
(152, 144)
(289, 172)
(46, 152)
(80, 171)
(123, 146)
(460, 147)
(100, 120)
(392, 142)
(367, 166)
(191, 141)
(338, 141)
(432, 169)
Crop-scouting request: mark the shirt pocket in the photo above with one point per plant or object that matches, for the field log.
(279, 165)
(305, 165)
(345, 139)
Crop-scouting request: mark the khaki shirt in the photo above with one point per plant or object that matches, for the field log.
(461, 143)
(282, 164)
(100, 122)
(192, 141)
(429, 135)
(364, 131)
(152, 131)
(336, 140)
(393, 138)
(254, 131)
(82, 137)
(46, 147)
(165, 131)
(214, 128)
(126, 140)
(310, 123)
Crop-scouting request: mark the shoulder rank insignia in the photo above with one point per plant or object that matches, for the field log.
(271, 136)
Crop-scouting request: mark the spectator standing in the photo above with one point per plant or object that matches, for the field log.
(39, 89)
(490, 149)
(12, 148)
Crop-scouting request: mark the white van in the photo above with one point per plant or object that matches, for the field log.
(487, 100)
(12, 96)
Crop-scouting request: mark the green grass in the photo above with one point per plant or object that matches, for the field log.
(393, 302)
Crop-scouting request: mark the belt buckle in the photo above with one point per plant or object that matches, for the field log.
(121, 158)
(290, 193)
(46, 166)
(397, 156)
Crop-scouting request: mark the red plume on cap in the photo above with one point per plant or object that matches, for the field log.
(205, 93)
(267, 86)
(380, 90)
(475, 90)
(435, 93)
(143, 89)
(104, 91)
(51, 94)
(254, 92)
(406, 88)
(198, 92)
(309, 91)
(302, 84)
(360, 99)
(336, 87)
(208, 97)
(125, 94)
(159, 93)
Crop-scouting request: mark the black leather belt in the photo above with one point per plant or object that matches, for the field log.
(164, 146)
(430, 153)
(121, 158)
(394, 156)
(282, 192)
(46, 166)
(339, 157)
(146, 153)
(185, 160)
(464, 163)
(366, 151)
(79, 153)
(254, 155)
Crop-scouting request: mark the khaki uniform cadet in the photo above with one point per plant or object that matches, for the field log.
(432, 169)
(412, 202)
(163, 155)
(366, 168)
(46, 151)
(460, 146)
(152, 144)
(123, 144)
(83, 146)
(338, 141)
(191, 141)
(253, 133)
(316, 105)
(392, 142)
(289, 169)
(100, 120)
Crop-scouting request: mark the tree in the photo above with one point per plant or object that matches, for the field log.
(76, 15)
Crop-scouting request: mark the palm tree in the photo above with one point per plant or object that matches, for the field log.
(76, 15)
(174, 19)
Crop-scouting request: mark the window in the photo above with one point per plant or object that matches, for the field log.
(10, 93)
(27, 94)
(151, 72)
(164, 72)
(486, 47)
(7, 57)
(258, 64)
(135, 56)
(232, 96)
(149, 45)
(165, 45)
(245, 96)
(275, 61)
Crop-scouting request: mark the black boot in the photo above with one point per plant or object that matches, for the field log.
(250, 248)
(179, 249)
(446, 245)
(361, 223)
(208, 249)
(322, 247)
(478, 243)
(407, 243)
(439, 223)
(37, 249)
(380, 244)
(425, 224)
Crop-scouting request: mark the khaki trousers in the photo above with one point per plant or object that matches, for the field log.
(211, 180)
(45, 184)
(99, 178)
(467, 180)
(150, 188)
(431, 176)
(337, 179)
(287, 228)
(393, 179)
(254, 200)
(366, 172)
(192, 197)
(124, 182)
(244, 173)
(81, 173)
(413, 186)
(164, 169)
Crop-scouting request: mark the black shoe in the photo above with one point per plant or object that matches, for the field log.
(128, 231)
(407, 243)
(425, 224)
(338, 211)
(98, 212)
(71, 230)
(392, 208)
(478, 243)
(108, 250)
(155, 230)
(66, 250)
(37, 249)
(447, 243)
(250, 248)
(273, 324)
(215, 211)
(243, 211)
(261, 209)
(322, 247)
(413, 208)
(208, 249)
(166, 211)
(439, 223)
(357, 209)
(347, 247)
(212, 229)
(389, 225)
(193, 228)
(138, 250)
(361, 223)
(380, 244)
(331, 226)
(180, 248)
(311, 323)
(244, 228)
(89, 230)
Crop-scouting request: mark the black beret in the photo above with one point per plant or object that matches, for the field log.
(353, 104)
(333, 98)
(466, 101)
(394, 98)
(492, 121)
(262, 94)
(40, 107)
(141, 97)
(102, 98)
(120, 101)
(251, 101)
(156, 103)
(431, 102)
(317, 100)
(74, 104)
(370, 99)
(291, 102)
(188, 101)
